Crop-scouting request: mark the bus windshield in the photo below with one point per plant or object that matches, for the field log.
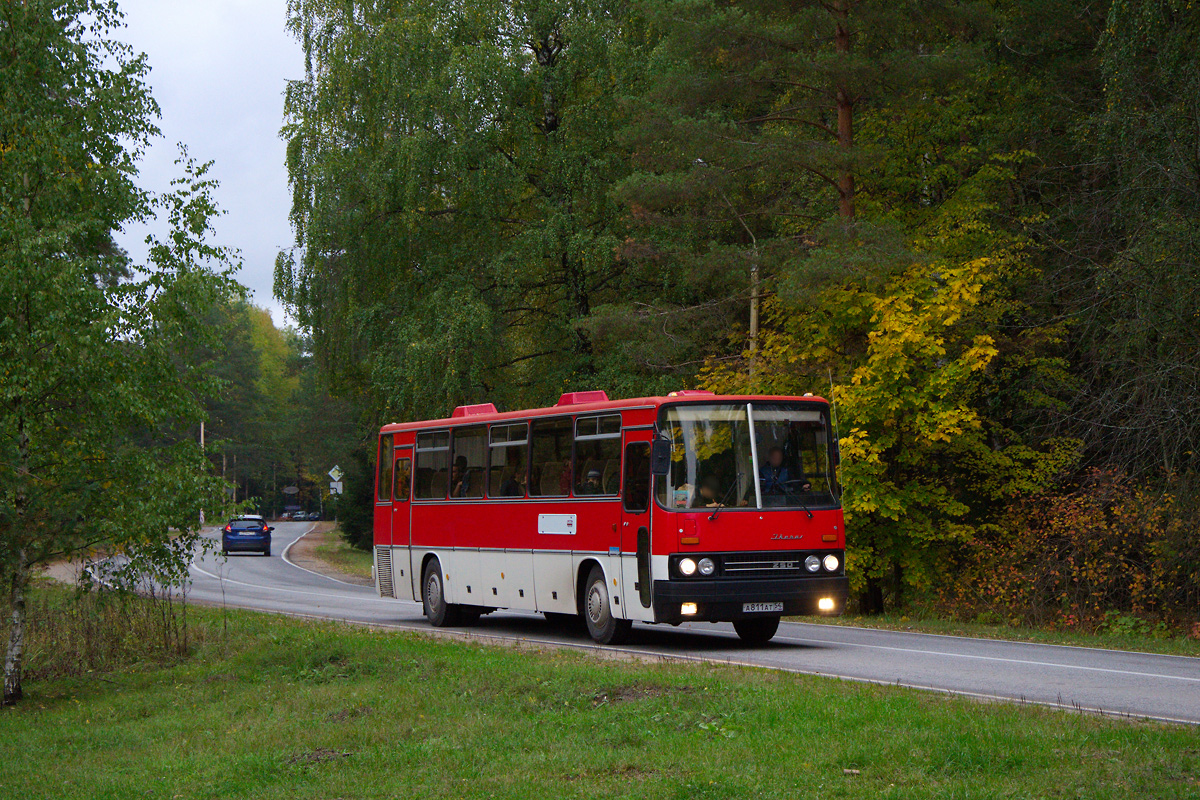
(746, 455)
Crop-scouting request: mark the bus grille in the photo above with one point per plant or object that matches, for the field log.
(770, 563)
(383, 571)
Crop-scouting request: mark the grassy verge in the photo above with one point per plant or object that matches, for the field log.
(335, 551)
(1109, 640)
(287, 709)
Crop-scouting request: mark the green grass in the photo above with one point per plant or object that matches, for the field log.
(915, 621)
(289, 709)
(338, 553)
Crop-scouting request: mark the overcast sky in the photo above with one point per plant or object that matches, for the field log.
(218, 72)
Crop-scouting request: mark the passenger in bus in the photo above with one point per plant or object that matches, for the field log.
(460, 479)
(514, 484)
(564, 477)
(592, 484)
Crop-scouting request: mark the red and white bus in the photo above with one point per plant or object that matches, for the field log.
(693, 506)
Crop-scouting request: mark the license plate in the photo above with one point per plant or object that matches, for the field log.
(760, 608)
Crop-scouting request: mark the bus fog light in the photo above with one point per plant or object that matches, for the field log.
(707, 567)
(689, 609)
(687, 567)
(831, 563)
(812, 563)
(825, 604)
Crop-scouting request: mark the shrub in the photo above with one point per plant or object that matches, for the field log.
(1105, 555)
(72, 631)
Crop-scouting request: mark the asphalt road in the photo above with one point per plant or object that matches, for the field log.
(1111, 682)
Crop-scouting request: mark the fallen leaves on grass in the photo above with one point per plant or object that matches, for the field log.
(348, 714)
(319, 756)
(638, 691)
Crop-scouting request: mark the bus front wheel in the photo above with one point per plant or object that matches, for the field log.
(602, 625)
(433, 597)
(758, 630)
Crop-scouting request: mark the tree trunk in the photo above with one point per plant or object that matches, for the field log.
(872, 597)
(753, 316)
(15, 656)
(845, 117)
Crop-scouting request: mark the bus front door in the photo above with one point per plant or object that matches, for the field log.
(401, 492)
(635, 526)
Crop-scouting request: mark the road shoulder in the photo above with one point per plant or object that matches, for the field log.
(309, 552)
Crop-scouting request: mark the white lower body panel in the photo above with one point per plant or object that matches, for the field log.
(539, 580)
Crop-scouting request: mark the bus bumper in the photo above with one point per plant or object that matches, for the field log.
(727, 600)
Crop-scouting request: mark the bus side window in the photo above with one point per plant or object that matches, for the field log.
(636, 489)
(467, 463)
(433, 465)
(384, 462)
(508, 471)
(551, 458)
(597, 454)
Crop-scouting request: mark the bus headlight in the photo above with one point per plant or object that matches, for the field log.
(687, 567)
(825, 604)
(707, 567)
(831, 563)
(812, 563)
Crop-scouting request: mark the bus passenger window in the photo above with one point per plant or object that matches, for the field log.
(433, 466)
(508, 468)
(466, 468)
(550, 462)
(384, 465)
(597, 455)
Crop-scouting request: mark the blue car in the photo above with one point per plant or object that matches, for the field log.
(246, 533)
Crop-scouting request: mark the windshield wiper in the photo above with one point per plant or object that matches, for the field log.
(721, 502)
(799, 495)
(805, 507)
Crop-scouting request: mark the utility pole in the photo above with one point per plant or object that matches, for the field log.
(202, 450)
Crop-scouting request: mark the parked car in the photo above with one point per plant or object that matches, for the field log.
(285, 516)
(249, 532)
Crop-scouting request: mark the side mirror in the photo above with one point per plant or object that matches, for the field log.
(270, 529)
(660, 457)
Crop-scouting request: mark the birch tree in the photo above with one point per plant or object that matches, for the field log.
(93, 404)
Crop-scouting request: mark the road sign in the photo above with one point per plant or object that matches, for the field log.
(335, 487)
(291, 490)
(336, 473)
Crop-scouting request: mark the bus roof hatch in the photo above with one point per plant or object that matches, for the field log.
(576, 398)
(474, 411)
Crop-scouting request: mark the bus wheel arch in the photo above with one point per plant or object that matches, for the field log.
(602, 625)
(433, 594)
(581, 577)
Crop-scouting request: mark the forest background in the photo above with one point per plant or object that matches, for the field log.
(973, 225)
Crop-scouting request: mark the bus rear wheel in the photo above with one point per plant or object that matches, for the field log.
(758, 630)
(433, 596)
(602, 625)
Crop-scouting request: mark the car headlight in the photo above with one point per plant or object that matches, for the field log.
(707, 567)
(831, 563)
(812, 563)
(687, 566)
